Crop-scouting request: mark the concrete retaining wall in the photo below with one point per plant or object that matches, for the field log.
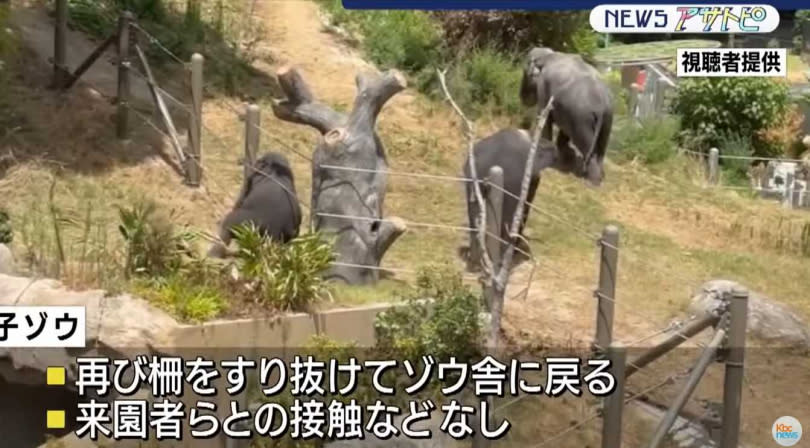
(285, 331)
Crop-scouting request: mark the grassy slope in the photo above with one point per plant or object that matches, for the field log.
(675, 234)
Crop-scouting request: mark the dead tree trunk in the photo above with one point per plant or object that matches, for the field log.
(347, 203)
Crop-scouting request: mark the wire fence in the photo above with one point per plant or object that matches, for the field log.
(673, 329)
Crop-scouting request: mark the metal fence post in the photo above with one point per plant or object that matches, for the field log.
(606, 294)
(787, 200)
(60, 71)
(714, 166)
(252, 137)
(495, 217)
(194, 168)
(122, 124)
(733, 383)
(614, 403)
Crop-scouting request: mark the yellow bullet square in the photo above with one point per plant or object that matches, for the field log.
(55, 420)
(56, 376)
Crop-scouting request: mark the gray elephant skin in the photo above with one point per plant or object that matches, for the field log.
(268, 200)
(582, 110)
(509, 149)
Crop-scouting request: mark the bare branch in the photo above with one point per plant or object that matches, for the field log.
(500, 280)
(488, 268)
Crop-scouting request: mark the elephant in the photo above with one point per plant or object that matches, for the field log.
(508, 148)
(268, 200)
(582, 110)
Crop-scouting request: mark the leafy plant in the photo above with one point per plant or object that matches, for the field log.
(650, 142)
(184, 296)
(288, 276)
(153, 247)
(441, 317)
(6, 235)
(715, 107)
(736, 170)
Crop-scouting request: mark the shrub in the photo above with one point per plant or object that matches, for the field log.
(287, 276)
(735, 171)
(408, 40)
(184, 296)
(6, 235)
(715, 107)
(518, 31)
(153, 246)
(650, 142)
(484, 81)
(440, 317)
(784, 136)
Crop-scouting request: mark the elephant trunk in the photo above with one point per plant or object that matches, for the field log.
(528, 90)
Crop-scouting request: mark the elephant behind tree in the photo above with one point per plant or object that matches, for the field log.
(268, 201)
(509, 149)
(582, 111)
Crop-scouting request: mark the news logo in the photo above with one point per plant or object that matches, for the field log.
(684, 19)
(787, 431)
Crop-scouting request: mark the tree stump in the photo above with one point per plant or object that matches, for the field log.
(347, 203)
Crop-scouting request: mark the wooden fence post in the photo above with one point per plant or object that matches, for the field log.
(766, 179)
(252, 137)
(495, 217)
(614, 403)
(60, 71)
(122, 124)
(194, 166)
(797, 195)
(606, 294)
(787, 199)
(733, 383)
(714, 166)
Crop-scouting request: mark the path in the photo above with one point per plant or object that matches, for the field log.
(37, 30)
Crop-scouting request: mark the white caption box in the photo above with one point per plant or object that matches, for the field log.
(682, 19)
(42, 326)
(731, 62)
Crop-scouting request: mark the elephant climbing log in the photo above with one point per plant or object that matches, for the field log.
(348, 202)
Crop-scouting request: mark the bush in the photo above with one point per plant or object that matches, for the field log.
(153, 246)
(6, 235)
(518, 31)
(440, 317)
(735, 171)
(484, 81)
(714, 107)
(784, 136)
(650, 142)
(287, 276)
(184, 296)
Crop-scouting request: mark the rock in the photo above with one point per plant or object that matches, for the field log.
(6, 260)
(768, 321)
(114, 324)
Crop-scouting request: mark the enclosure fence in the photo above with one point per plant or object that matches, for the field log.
(728, 320)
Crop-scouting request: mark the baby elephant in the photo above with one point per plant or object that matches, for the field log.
(509, 149)
(268, 200)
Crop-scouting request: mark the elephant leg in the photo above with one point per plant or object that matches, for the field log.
(567, 158)
(584, 137)
(548, 129)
